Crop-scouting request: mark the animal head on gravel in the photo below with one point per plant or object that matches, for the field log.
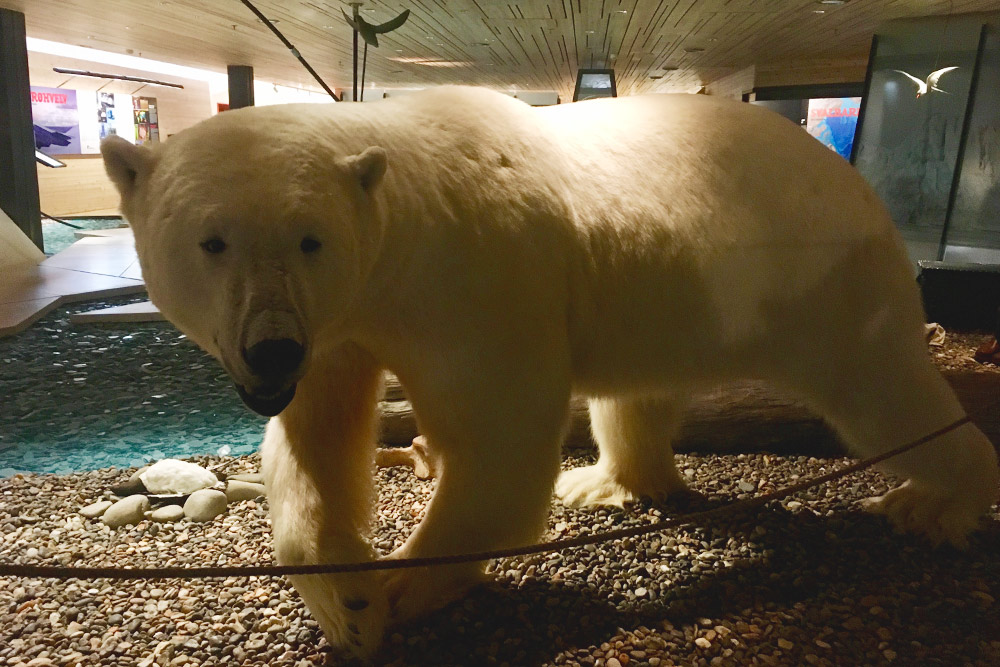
(251, 242)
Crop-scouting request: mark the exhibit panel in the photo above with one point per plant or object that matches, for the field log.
(909, 140)
(975, 219)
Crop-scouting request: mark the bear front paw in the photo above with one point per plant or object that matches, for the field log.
(351, 609)
(918, 509)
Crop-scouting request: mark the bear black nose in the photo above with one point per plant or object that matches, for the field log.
(274, 360)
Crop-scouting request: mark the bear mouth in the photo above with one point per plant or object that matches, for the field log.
(267, 401)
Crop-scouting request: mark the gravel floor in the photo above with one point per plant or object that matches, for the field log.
(812, 580)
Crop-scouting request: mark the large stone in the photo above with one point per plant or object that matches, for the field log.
(174, 476)
(95, 510)
(237, 490)
(168, 514)
(126, 512)
(205, 505)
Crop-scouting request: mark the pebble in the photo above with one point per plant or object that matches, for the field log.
(167, 514)
(94, 510)
(238, 490)
(125, 512)
(205, 505)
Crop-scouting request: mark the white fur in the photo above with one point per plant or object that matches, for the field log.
(635, 250)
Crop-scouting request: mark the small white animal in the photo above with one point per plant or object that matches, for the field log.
(923, 87)
(498, 258)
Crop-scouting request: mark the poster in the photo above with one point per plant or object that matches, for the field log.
(106, 114)
(147, 129)
(833, 121)
(56, 119)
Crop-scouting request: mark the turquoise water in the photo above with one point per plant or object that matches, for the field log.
(57, 237)
(83, 397)
(87, 396)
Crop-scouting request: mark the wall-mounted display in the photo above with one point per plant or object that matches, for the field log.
(833, 121)
(147, 127)
(105, 114)
(56, 120)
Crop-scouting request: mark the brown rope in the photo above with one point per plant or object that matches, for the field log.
(118, 573)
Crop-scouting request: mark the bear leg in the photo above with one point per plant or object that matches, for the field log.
(879, 397)
(497, 461)
(318, 464)
(636, 459)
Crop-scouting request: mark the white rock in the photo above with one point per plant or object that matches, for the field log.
(126, 511)
(167, 514)
(205, 505)
(174, 476)
(96, 509)
(237, 490)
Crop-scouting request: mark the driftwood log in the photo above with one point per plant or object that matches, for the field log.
(740, 417)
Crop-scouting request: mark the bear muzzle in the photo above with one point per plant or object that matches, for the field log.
(267, 401)
(275, 365)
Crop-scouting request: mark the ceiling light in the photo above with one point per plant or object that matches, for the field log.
(118, 60)
(819, 11)
(693, 49)
(832, 2)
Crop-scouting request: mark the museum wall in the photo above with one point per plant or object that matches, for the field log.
(734, 85)
(82, 188)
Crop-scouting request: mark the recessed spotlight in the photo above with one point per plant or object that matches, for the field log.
(819, 11)
(589, 32)
(832, 2)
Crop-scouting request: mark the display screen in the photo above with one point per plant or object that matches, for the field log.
(594, 83)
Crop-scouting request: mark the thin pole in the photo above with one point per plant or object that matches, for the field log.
(354, 98)
(364, 68)
(295, 52)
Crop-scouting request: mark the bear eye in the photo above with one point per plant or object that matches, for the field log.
(213, 246)
(309, 244)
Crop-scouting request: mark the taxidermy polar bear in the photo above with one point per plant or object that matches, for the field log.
(497, 258)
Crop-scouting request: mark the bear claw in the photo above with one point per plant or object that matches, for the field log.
(356, 604)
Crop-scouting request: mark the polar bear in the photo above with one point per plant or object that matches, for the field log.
(498, 258)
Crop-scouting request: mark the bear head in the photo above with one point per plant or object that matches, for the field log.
(252, 241)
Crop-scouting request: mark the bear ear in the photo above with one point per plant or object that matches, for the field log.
(367, 166)
(125, 162)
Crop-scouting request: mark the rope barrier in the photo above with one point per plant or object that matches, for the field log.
(118, 573)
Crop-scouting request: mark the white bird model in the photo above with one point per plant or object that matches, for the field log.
(923, 87)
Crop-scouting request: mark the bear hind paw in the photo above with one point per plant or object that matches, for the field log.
(912, 508)
(595, 486)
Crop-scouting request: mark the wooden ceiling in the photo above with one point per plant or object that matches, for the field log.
(525, 44)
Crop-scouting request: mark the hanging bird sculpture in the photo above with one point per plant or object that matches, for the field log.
(924, 87)
(370, 32)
